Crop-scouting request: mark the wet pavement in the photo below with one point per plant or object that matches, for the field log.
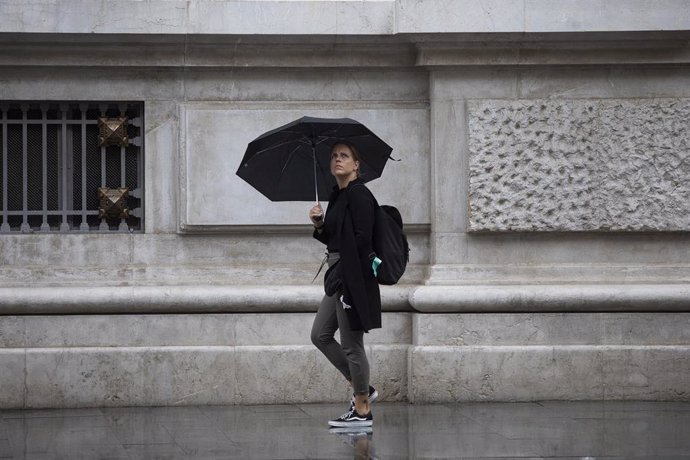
(562, 430)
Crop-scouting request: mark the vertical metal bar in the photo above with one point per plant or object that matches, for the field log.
(64, 226)
(123, 183)
(138, 159)
(103, 166)
(5, 227)
(123, 170)
(44, 173)
(25, 170)
(104, 224)
(84, 223)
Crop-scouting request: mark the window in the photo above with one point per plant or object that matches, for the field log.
(61, 173)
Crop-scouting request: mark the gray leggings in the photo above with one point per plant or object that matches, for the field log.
(348, 357)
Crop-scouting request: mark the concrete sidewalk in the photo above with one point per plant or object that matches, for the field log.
(564, 430)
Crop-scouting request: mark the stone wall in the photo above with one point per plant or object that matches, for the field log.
(544, 149)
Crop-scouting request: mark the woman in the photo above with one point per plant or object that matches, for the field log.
(355, 307)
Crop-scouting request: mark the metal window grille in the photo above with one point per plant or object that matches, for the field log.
(52, 167)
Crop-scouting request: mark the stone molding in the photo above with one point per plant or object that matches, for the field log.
(177, 299)
(553, 52)
(306, 52)
(294, 298)
(552, 297)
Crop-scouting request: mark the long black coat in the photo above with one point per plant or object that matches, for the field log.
(348, 229)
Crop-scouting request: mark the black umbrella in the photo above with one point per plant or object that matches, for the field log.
(292, 163)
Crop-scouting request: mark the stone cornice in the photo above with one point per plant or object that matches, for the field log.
(292, 51)
(553, 53)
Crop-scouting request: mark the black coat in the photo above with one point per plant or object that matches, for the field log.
(348, 229)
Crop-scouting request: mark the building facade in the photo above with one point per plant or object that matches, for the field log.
(543, 181)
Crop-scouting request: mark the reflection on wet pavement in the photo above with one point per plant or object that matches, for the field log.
(563, 430)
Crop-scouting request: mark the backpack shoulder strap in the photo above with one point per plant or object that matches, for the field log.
(358, 184)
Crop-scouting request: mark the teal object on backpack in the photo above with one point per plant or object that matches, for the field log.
(375, 265)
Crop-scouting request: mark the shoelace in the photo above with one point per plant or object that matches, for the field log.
(347, 414)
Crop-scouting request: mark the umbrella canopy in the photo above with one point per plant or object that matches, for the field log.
(292, 163)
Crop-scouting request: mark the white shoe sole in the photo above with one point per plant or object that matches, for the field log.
(354, 424)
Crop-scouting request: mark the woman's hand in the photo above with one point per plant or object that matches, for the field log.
(316, 215)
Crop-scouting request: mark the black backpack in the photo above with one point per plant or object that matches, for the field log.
(390, 244)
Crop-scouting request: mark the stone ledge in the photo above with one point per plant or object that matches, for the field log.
(552, 297)
(306, 298)
(177, 299)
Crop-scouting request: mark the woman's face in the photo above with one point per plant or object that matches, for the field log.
(343, 163)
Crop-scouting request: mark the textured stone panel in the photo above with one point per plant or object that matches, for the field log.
(579, 165)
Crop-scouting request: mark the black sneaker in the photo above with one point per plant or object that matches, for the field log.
(373, 395)
(352, 418)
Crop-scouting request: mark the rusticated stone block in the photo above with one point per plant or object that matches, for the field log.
(187, 375)
(12, 379)
(579, 165)
(529, 373)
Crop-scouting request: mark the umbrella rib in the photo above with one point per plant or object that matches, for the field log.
(323, 139)
(289, 158)
(273, 147)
